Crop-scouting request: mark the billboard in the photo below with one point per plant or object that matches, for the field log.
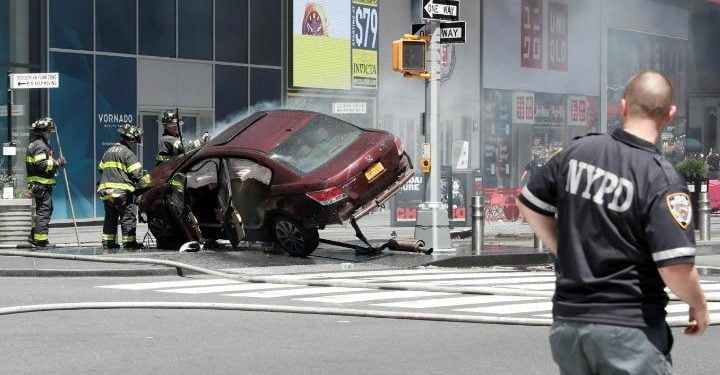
(335, 44)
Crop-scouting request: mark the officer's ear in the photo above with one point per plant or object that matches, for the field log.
(623, 108)
(671, 113)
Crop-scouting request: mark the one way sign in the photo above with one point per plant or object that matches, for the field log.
(452, 32)
(444, 10)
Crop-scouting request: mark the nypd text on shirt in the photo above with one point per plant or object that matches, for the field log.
(616, 190)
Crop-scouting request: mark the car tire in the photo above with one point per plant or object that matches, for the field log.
(166, 236)
(295, 239)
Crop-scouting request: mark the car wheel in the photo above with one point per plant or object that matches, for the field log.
(166, 236)
(295, 239)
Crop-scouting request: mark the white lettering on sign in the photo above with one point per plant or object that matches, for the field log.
(557, 36)
(349, 108)
(34, 80)
(17, 110)
(609, 184)
(116, 118)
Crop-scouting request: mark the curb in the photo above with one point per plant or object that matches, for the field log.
(494, 260)
(132, 272)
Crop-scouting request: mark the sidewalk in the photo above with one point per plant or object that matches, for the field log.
(508, 244)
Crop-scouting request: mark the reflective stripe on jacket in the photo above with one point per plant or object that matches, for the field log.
(120, 170)
(170, 147)
(39, 163)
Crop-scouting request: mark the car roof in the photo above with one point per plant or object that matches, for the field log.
(263, 130)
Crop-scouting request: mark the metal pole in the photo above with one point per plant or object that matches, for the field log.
(537, 244)
(478, 224)
(704, 213)
(9, 123)
(67, 189)
(434, 203)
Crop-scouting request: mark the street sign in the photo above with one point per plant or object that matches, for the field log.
(452, 32)
(34, 80)
(443, 10)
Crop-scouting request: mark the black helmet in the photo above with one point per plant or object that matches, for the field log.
(169, 117)
(43, 124)
(130, 132)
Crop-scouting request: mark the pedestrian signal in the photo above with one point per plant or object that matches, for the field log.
(409, 55)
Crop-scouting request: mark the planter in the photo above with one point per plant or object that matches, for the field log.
(15, 221)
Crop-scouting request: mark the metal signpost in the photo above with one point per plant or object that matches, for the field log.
(430, 213)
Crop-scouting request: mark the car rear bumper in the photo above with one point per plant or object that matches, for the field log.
(386, 194)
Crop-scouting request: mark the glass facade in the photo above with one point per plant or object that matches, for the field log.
(156, 25)
(231, 93)
(231, 17)
(195, 31)
(265, 32)
(115, 29)
(265, 86)
(71, 24)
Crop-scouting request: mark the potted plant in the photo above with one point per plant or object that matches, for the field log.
(695, 170)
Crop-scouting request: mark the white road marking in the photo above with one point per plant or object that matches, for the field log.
(542, 286)
(373, 296)
(511, 309)
(457, 301)
(373, 273)
(467, 275)
(225, 288)
(499, 281)
(170, 284)
(296, 292)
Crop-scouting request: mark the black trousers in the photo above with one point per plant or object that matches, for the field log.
(42, 194)
(122, 208)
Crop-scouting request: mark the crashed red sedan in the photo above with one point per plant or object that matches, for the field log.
(275, 176)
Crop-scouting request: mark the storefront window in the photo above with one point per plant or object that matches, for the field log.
(115, 26)
(72, 109)
(231, 91)
(265, 32)
(195, 29)
(71, 24)
(231, 30)
(156, 20)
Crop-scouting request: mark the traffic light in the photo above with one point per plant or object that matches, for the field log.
(409, 55)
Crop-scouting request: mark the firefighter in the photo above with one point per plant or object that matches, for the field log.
(170, 144)
(41, 170)
(121, 175)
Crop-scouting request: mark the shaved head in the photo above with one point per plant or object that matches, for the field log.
(648, 95)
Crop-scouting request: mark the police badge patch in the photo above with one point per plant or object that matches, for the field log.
(680, 208)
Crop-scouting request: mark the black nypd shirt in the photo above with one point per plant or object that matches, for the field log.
(622, 212)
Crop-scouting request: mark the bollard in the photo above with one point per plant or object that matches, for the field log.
(478, 224)
(537, 244)
(704, 215)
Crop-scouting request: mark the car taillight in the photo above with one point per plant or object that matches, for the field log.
(327, 196)
(399, 145)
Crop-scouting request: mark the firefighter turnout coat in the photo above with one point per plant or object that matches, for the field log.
(170, 147)
(40, 164)
(121, 172)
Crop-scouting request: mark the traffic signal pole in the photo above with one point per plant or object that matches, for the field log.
(432, 225)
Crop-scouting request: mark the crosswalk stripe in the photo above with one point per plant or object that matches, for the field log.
(467, 275)
(296, 292)
(225, 288)
(457, 301)
(710, 287)
(712, 295)
(682, 307)
(499, 282)
(170, 284)
(511, 309)
(398, 272)
(373, 296)
(542, 286)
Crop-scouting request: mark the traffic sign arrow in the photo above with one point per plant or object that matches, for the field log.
(445, 10)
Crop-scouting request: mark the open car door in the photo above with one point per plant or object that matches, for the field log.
(179, 210)
(231, 219)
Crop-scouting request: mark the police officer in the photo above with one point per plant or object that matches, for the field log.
(41, 170)
(170, 144)
(121, 174)
(618, 217)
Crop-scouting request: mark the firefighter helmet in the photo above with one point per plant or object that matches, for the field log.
(131, 133)
(170, 117)
(43, 124)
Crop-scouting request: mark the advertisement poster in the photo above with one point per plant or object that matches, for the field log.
(321, 44)
(406, 201)
(531, 34)
(365, 22)
(523, 108)
(550, 109)
(557, 37)
(630, 52)
(498, 114)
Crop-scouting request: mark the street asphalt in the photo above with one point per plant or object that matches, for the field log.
(505, 243)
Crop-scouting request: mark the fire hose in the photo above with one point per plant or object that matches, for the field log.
(289, 280)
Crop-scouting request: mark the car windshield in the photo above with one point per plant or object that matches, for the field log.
(316, 143)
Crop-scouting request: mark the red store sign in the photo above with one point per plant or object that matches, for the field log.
(557, 37)
(531, 34)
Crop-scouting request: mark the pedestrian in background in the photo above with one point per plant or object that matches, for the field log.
(121, 174)
(41, 169)
(171, 145)
(618, 217)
